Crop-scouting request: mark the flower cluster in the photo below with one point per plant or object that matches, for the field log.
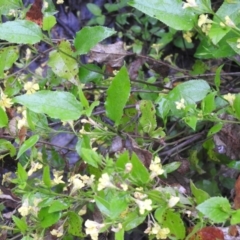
(228, 22)
(105, 182)
(34, 167)
(230, 98)
(188, 36)
(31, 87)
(205, 23)
(144, 205)
(180, 104)
(156, 168)
(28, 208)
(93, 228)
(160, 233)
(78, 181)
(57, 232)
(5, 102)
(190, 4)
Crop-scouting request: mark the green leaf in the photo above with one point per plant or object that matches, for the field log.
(132, 220)
(93, 35)
(103, 205)
(3, 118)
(191, 91)
(94, 9)
(217, 79)
(90, 73)
(63, 65)
(120, 234)
(58, 205)
(91, 157)
(174, 222)
(191, 121)
(236, 105)
(46, 176)
(171, 167)
(199, 194)
(215, 129)
(206, 50)
(208, 103)
(163, 108)
(148, 116)
(233, 43)
(20, 31)
(27, 144)
(235, 219)
(117, 95)
(20, 223)
(164, 10)
(216, 209)
(61, 105)
(118, 204)
(75, 224)
(139, 173)
(48, 219)
(21, 172)
(8, 56)
(159, 213)
(48, 23)
(7, 146)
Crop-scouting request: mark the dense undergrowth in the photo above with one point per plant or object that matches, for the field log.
(127, 131)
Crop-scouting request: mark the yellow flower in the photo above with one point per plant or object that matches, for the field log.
(144, 205)
(83, 210)
(206, 28)
(229, 22)
(203, 19)
(139, 195)
(87, 180)
(230, 98)
(77, 184)
(57, 232)
(188, 36)
(57, 177)
(93, 228)
(156, 168)
(180, 104)
(161, 233)
(104, 182)
(5, 102)
(128, 167)
(173, 201)
(23, 121)
(6, 177)
(31, 87)
(34, 167)
(190, 3)
(124, 186)
(25, 209)
(60, 1)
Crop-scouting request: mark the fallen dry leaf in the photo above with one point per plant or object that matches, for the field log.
(111, 54)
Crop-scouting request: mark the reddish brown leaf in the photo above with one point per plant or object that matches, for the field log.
(22, 134)
(208, 233)
(233, 231)
(34, 14)
(237, 194)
